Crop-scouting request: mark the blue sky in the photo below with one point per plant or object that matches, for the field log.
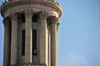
(78, 34)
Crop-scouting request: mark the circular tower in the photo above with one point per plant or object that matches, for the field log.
(31, 32)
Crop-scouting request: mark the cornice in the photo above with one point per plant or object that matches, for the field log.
(12, 4)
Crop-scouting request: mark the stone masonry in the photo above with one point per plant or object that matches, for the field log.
(31, 32)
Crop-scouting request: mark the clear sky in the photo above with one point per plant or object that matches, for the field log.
(78, 34)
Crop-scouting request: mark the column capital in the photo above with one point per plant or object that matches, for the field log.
(49, 30)
(6, 21)
(14, 16)
(43, 15)
(53, 20)
(28, 13)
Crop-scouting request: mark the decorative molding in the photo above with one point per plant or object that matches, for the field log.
(57, 3)
(44, 15)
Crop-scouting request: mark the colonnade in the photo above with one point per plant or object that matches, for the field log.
(48, 49)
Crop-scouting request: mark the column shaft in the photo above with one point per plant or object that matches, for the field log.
(49, 48)
(6, 58)
(43, 39)
(28, 36)
(14, 39)
(57, 47)
(54, 43)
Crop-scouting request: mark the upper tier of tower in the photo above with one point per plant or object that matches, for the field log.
(54, 8)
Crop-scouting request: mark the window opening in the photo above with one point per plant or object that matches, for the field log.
(34, 41)
(22, 18)
(23, 42)
(35, 18)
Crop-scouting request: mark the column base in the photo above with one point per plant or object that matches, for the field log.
(28, 65)
(13, 65)
(31, 65)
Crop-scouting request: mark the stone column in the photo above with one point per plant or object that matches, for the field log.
(54, 43)
(49, 47)
(14, 39)
(6, 58)
(28, 36)
(43, 39)
(57, 24)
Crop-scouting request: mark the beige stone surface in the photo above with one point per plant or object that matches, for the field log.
(36, 6)
(14, 39)
(43, 39)
(47, 36)
(28, 36)
(49, 49)
(54, 42)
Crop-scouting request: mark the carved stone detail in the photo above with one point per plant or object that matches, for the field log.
(44, 15)
(14, 16)
(53, 20)
(28, 13)
(6, 21)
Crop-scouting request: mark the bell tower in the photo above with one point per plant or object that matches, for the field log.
(31, 32)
